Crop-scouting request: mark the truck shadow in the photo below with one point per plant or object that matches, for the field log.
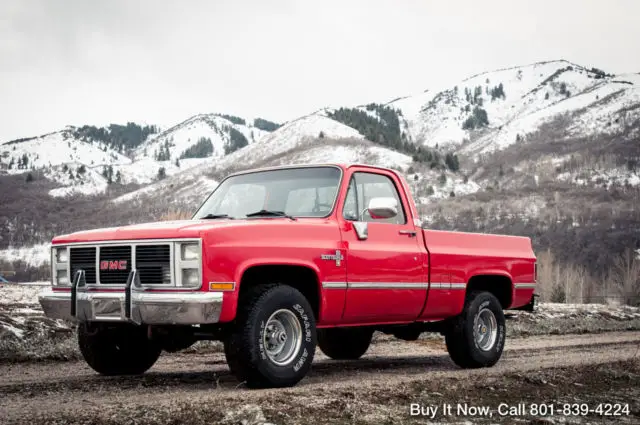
(218, 377)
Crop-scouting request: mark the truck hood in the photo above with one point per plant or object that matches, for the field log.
(155, 230)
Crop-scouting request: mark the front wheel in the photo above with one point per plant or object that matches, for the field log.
(117, 350)
(274, 340)
(476, 337)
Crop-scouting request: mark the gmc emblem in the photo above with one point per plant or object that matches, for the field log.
(113, 265)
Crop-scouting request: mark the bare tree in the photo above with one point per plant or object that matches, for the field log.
(626, 277)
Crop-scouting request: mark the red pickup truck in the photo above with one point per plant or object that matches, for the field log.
(279, 260)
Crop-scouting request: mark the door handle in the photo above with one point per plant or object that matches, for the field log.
(411, 233)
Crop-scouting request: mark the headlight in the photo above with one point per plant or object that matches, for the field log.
(62, 277)
(61, 255)
(59, 262)
(190, 278)
(189, 252)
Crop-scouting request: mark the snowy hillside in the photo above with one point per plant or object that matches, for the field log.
(58, 148)
(295, 142)
(514, 102)
(290, 136)
(218, 129)
(82, 163)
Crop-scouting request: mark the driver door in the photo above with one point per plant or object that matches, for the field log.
(385, 277)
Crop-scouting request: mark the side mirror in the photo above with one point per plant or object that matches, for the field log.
(381, 208)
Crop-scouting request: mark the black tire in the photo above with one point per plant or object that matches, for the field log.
(247, 353)
(463, 347)
(117, 350)
(344, 343)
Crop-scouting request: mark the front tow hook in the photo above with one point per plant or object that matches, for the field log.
(132, 280)
(78, 280)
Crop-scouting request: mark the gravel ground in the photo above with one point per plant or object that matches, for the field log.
(378, 388)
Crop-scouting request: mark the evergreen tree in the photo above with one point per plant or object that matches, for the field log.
(478, 119)
(265, 125)
(497, 92)
(25, 161)
(163, 153)
(107, 173)
(452, 162)
(442, 179)
(233, 119)
(122, 138)
(236, 141)
(202, 149)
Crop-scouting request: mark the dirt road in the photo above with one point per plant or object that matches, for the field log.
(377, 388)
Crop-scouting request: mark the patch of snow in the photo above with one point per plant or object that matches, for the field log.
(19, 333)
(59, 148)
(19, 293)
(294, 134)
(186, 134)
(34, 256)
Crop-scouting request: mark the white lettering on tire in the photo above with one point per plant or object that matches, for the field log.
(263, 355)
(301, 360)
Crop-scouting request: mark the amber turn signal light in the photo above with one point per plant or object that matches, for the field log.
(221, 286)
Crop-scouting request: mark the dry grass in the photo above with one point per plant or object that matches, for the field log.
(570, 283)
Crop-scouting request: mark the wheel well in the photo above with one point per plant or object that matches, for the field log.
(500, 286)
(302, 278)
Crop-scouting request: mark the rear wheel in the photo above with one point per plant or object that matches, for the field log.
(344, 343)
(117, 350)
(273, 342)
(476, 337)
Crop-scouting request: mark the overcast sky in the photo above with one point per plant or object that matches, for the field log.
(158, 61)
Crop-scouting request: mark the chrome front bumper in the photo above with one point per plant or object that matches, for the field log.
(152, 308)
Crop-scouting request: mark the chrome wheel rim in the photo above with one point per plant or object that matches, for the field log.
(485, 329)
(282, 337)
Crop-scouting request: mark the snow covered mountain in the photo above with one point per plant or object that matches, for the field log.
(493, 110)
(549, 121)
(81, 160)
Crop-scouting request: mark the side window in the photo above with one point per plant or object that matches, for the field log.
(350, 210)
(365, 186)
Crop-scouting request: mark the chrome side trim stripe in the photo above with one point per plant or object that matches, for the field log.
(334, 285)
(387, 285)
(392, 285)
(407, 285)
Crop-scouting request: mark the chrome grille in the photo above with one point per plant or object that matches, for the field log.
(85, 259)
(110, 258)
(153, 263)
(154, 260)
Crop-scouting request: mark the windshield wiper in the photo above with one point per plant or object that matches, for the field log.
(271, 213)
(214, 216)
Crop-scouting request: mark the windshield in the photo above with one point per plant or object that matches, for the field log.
(297, 192)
